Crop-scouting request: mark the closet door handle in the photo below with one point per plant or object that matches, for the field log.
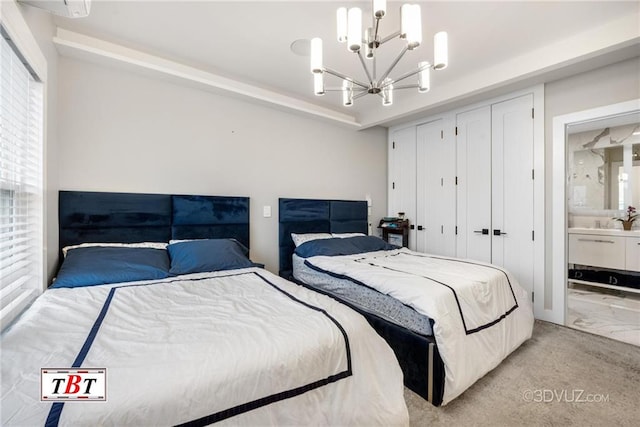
(420, 228)
(483, 231)
(597, 241)
(497, 232)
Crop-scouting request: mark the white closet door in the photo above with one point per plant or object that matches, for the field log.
(473, 144)
(435, 226)
(402, 177)
(512, 188)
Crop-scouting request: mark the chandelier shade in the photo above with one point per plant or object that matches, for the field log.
(365, 44)
(440, 56)
(318, 84)
(424, 77)
(411, 25)
(379, 8)
(316, 55)
(354, 25)
(347, 93)
(341, 21)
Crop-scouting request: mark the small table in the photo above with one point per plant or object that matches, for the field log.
(399, 228)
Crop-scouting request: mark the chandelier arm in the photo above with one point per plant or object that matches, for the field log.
(344, 77)
(405, 87)
(390, 37)
(341, 89)
(404, 76)
(360, 95)
(364, 65)
(375, 33)
(374, 64)
(394, 63)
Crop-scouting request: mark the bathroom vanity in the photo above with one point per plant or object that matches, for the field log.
(595, 252)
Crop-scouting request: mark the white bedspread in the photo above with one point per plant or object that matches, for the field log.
(178, 350)
(480, 312)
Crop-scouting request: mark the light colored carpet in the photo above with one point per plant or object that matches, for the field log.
(561, 377)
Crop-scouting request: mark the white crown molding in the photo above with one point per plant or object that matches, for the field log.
(84, 47)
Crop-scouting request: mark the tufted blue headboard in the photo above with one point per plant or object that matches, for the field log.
(134, 217)
(316, 216)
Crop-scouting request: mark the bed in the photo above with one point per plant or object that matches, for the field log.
(448, 320)
(188, 329)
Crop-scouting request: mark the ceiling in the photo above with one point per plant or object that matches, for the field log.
(493, 47)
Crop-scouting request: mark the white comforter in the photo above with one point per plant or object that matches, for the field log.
(480, 312)
(178, 350)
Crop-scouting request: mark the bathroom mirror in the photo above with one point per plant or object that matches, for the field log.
(603, 167)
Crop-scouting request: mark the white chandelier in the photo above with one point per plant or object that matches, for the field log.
(350, 31)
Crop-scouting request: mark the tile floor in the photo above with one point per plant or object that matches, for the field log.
(606, 312)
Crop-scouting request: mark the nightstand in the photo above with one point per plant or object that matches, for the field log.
(395, 231)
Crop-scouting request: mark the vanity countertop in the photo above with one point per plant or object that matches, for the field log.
(604, 231)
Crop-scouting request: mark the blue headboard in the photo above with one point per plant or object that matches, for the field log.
(316, 216)
(133, 217)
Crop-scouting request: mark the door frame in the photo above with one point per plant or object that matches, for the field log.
(557, 312)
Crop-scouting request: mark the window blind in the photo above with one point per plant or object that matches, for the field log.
(21, 206)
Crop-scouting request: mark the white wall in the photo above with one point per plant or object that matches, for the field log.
(607, 85)
(120, 131)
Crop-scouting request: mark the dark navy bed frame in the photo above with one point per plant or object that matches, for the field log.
(316, 216)
(102, 217)
(417, 354)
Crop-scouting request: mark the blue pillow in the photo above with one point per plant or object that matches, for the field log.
(344, 246)
(97, 265)
(198, 256)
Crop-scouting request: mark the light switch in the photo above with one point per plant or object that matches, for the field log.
(266, 211)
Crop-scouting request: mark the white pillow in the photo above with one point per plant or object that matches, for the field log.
(345, 235)
(172, 241)
(153, 245)
(299, 239)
